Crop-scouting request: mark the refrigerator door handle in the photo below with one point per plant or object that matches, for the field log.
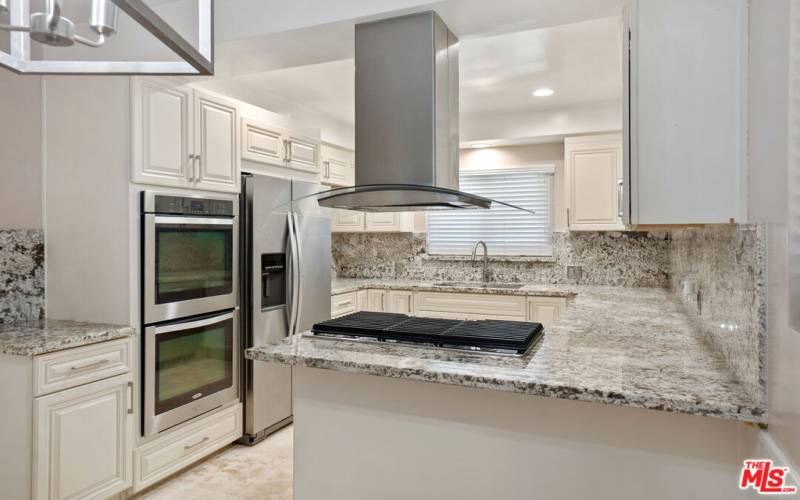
(294, 275)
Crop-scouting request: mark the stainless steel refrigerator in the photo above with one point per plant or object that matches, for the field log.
(286, 288)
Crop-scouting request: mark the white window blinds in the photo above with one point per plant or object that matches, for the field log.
(506, 231)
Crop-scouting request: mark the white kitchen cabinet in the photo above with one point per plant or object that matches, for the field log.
(216, 144)
(267, 144)
(343, 304)
(387, 222)
(347, 221)
(83, 440)
(400, 301)
(362, 299)
(67, 424)
(546, 310)
(302, 153)
(262, 143)
(181, 447)
(470, 306)
(162, 150)
(594, 182)
(685, 111)
(183, 138)
(337, 166)
(376, 301)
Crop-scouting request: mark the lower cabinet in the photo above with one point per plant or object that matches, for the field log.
(343, 303)
(544, 310)
(83, 441)
(67, 422)
(177, 449)
(400, 301)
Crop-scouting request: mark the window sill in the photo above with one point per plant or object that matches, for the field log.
(494, 258)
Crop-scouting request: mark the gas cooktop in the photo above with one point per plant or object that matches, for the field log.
(493, 336)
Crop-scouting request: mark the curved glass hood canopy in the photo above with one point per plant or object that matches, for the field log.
(388, 198)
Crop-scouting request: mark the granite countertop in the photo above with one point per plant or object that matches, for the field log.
(615, 345)
(32, 338)
(344, 285)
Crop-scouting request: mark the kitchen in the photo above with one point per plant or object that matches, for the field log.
(204, 275)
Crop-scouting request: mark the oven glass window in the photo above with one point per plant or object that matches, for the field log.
(193, 262)
(193, 363)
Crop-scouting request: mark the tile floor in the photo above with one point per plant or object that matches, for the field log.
(262, 472)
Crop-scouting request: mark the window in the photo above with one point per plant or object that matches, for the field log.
(506, 231)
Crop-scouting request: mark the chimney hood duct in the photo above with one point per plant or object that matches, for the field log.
(406, 97)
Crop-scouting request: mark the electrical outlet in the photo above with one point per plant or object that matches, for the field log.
(574, 273)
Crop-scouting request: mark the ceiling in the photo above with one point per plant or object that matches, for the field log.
(507, 49)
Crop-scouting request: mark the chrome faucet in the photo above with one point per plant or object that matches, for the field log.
(485, 258)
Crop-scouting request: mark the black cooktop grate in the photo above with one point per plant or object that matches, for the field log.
(493, 335)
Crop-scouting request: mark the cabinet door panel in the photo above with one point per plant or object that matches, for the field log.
(162, 118)
(400, 302)
(303, 154)
(83, 441)
(262, 143)
(217, 146)
(546, 310)
(376, 300)
(594, 172)
(346, 221)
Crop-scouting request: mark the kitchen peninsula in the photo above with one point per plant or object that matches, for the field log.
(625, 347)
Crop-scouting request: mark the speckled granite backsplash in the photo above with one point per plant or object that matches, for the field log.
(728, 264)
(21, 275)
(611, 258)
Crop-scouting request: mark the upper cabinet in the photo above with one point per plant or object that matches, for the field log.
(594, 182)
(684, 73)
(183, 138)
(338, 169)
(162, 133)
(216, 145)
(266, 144)
(262, 143)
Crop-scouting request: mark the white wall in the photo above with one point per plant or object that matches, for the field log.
(20, 151)
(532, 154)
(87, 131)
(769, 164)
(365, 437)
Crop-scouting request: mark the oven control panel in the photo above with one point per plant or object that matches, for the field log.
(181, 205)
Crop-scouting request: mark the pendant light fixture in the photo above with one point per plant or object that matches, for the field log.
(52, 28)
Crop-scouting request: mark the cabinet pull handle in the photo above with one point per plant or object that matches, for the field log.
(287, 151)
(89, 366)
(197, 168)
(130, 398)
(193, 166)
(189, 447)
(620, 211)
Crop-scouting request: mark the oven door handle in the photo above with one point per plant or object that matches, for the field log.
(193, 324)
(294, 274)
(194, 221)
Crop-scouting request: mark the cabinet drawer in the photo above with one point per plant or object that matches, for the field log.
(73, 367)
(176, 449)
(470, 306)
(344, 303)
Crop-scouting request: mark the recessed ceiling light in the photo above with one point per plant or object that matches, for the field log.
(543, 92)
(480, 145)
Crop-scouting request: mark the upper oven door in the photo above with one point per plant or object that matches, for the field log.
(190, 266)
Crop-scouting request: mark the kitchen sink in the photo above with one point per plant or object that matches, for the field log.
(462, 284)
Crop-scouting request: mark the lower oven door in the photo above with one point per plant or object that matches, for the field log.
(190, 266)
(191, 367)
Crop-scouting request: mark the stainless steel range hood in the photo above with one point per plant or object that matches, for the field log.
(406, 119)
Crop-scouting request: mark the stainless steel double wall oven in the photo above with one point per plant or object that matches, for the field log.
(191, 347)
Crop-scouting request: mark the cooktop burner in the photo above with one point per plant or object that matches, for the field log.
(495, 336)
